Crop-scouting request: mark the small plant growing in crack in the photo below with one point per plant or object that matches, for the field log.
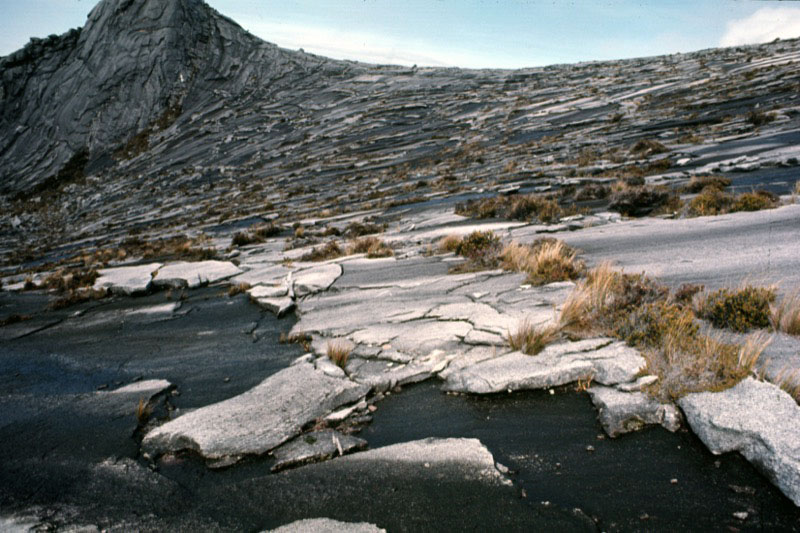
(339, 351)
(143, 411)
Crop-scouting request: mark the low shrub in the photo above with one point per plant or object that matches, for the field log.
(755, 201)
(238, 288)
(372, 246)
(481, 249)
(526, 208)
(647, 147)
(326, 252)
(710, 201)
(591, 191)
(698, 183)
(740, 310)
(638, 201)
(359, 229)
(758, 118)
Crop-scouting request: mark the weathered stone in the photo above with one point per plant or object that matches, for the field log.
(127, 280)
(316, 279)
(623, 412)
(758, 420)
(268, 291)
(557, 364)
(278, 306)
(192, 275)
(382, 375)
(268, 275)
(314, 447)
(258, 420)
(326, 525)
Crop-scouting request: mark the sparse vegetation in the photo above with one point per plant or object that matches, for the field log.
(642, 200)
(449, 244)
(238, 288)
(13, 319)
(740, 310)
(712, 200)
(545, 261)
(646, 147)
(758, 118)
(338, 351)
(481, 249)
(698, 183)
(143, 411)
(788, 379)
(785, 316)
(526, 208)
(372, 246)
(359, 229)
(638, 310)
(326, 252)
(303, 339)
(531, 340)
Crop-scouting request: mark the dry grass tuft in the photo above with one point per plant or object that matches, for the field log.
(303, 339)
(338, 351)
(531, 340)
(788, 379)
(545, 261)
(239, 288)
(785, 316)
(449, 244)
(372, 246)
(143, 411)
(326, 252)
(754, 345)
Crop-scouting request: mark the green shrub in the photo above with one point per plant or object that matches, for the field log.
(648, 325)
(739, 310)
(526, 208)
(481, 249)
(755, 201)
(710, 201)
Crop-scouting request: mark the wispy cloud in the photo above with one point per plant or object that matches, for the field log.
(364, 46)
(766, 24)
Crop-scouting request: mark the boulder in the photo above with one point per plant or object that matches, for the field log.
(758, 420)
(191, 275)
(258, 420)
(623, 412)
(127, 280)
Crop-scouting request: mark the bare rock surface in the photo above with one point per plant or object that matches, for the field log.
(258, 420)
(316, 279)
(193, 275)
(327, 525)
(758, 420)
(623, 412)
(602, 359)
(127, 280)
(313, 447)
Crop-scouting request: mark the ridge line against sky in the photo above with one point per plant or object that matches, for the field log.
(464, 33)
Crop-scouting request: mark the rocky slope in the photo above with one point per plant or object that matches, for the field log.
(162, 113)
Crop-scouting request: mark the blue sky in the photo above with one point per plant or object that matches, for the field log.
(465, 33)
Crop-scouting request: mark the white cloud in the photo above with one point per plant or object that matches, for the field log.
(363, 46)
(763, 26)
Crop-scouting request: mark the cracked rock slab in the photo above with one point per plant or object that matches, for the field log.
(384, 375)
(623, 412)
(192, 275)
(258, 420)
(758, 420)
(316, 279)
(127, 280)
(557, 364)
(314, 447)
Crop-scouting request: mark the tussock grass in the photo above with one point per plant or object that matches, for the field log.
(663, 327)
(788, 379)
(449, 243)
(523, 207)
(338, 351)
(545, 261)
(785, 316)
(531, 340)
(372, 246)
(238, 288)
(326, 252)
(303, 339)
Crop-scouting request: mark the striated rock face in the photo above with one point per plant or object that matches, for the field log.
(758, 420)
(137, 65)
